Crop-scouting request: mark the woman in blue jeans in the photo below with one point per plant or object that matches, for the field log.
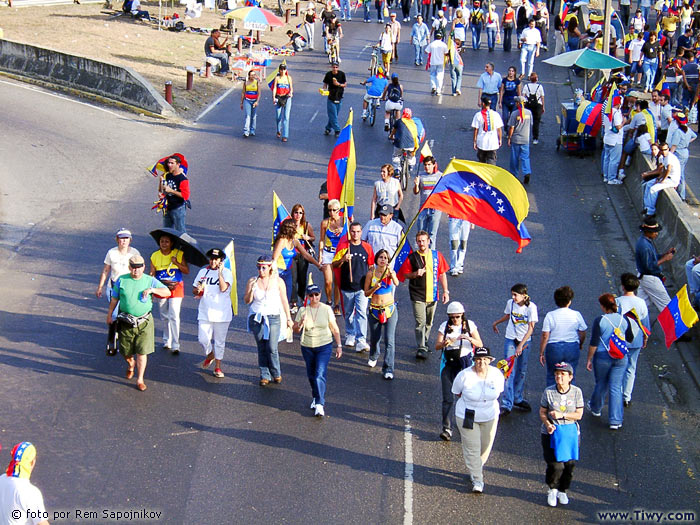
(316, 322)
(380, 284)
(267, 296)
(282, 93)
(563, 333)
(651, 53)
(609, 370)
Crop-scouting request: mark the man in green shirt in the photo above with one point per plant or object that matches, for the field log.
(133, 292)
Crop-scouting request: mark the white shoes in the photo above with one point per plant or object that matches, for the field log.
(372, 363)
(535, 141)
(615, 182)
(361, 346)
(350, 340)
(563, 498)
(389, 376)
(552, 497)
(478, 487)
(319, 411)
(313, 404)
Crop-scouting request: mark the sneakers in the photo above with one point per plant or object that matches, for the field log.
(446, 434)
(478, 487)
(563, 498)
(552, 497)
(218, 372)
(388, 376)
(350, 340)
(372, 363)
(535, 141)
(523, 405)
(527, 179)
(615, 182)
(313, 404)
(364, 115)
(421, 354)
(504, 412)
(361, 346)
(208, 361)
(386, 125)
(621, 174)
(318, 411)
(615, 427)
(588, 406)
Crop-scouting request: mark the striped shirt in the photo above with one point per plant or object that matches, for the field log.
(563, 325)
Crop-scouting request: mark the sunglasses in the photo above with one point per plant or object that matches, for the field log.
(333, 209)
(134, 266)
(315, 294)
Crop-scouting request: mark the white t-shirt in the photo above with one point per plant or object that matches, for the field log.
(531, 36)
(119, 264)
(644, 141)
(214, 305)
(386, 42)
(563, 325)
(18, 494)
(494, 20)
(387, 192)
(520, 318)
(487, 140)
(610, 138)
(437, 50)
(635, 49)
(480, 395)
(674, 174)
(533, 88)
(454, 332)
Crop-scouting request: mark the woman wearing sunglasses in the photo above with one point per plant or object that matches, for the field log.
(267, 296)
(380, 284)
(331, 231)
(300, 267)
(319, 330)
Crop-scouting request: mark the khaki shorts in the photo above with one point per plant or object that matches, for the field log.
(139, 341)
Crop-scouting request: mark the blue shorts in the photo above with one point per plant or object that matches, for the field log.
(630, 146)
(635, 68)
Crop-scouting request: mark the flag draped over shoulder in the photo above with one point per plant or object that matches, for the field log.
(270, 79)
(340, 177)
(230, 264)
(279, 213)
(651, 124)
(678, 317)
(485, 195)
(589, 116)
(611, 101)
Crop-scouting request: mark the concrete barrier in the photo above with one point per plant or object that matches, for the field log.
(108, 81)
(681, 228)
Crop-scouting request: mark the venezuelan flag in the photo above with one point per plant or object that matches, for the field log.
(618, 346)
(612, 99)
(230, 264)
(402, 253)
(597, 91)
(425, 151)
(279, 213)
(589, 118)
(485, 195)
(160, 168)
(664, 87)
(651, 124)
(340, 177)
(678, 317)
(270, 79)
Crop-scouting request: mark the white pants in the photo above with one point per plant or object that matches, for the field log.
(459, 235)
(437, 75)
(170, 313)
(208, 329)
(476, 446)
(652, 289)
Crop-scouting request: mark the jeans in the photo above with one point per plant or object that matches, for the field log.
(175, 219)
(520, 159)
(491, 37)
(425, 11)
(515, 384)
(345, 10)
(375, 338)
(651, 194)
(494, 99)
(367, 11)
(447, 377)
(630, 373)
(649, 67)
(437, 77)
(424, 314)
(282, 115)
(316, 360)
(286, 276)
(527, 58)
(170, 313)
(223, 58)
(508, 108)
(682, 155)
(418, 58)
(268, 356)
(251, 117)
(561, 352)
(507, 38)
(333, 108)
(611, 159)
(476, 36)
(380, 13)
(459, 235)
(609, 374)
(355, 304)
(645, 12)
(692, 273)
(310, 30)
(429, 221)
(456, 76)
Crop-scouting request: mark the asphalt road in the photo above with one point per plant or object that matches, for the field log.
(203, 450)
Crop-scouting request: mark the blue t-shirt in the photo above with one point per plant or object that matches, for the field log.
(375, 86)
(510, 89)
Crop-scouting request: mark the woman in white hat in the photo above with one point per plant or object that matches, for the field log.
(478, 388)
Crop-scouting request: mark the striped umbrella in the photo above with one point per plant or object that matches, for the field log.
(255, 18)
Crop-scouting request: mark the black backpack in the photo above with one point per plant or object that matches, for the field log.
(476, 17)
(394, 93)
(531, 101)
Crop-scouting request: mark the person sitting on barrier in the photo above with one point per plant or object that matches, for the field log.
(692, 272)
(134, 7)
(211, 51)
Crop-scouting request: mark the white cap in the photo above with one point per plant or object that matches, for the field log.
(455, 307)
(123, 233)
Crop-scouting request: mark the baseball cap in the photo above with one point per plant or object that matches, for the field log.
(216, 253)
(564, 367)
(123, 233)
(136, 261)
(312, 289)
(386, 209)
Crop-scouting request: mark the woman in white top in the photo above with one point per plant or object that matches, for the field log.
(212, 288)
(386, 46)
(387, 191)
(267, 296)
(492, 26)
(563, 334)
(457, 338)
(478, 388)
(521, 314)
(116, 263)
(318, 328)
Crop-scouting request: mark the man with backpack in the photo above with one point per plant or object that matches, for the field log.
(393, 94)
(476, 23)
(534, 101)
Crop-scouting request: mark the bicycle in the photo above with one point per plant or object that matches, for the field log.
(404, 170)
(332, 50)
(373, 105)
(374, 61)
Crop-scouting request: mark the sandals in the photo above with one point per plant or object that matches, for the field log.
(336, 310)
(130, 369)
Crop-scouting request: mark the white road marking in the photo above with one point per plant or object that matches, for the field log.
(408, 473)
(363, 50)
(214, 104)
(184, 433)
(42, 91)
(313, 116)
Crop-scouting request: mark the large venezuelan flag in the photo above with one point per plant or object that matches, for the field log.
(589, 117)
(230, 264)
(279, 213)
(485, 195)
(340, 177)
(678, 317)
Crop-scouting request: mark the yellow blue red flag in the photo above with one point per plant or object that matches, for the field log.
(230, 264)
(279, 213)
(678, 316)
(340, 178)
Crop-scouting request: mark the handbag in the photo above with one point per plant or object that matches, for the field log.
(564, 442)
(282, 100)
